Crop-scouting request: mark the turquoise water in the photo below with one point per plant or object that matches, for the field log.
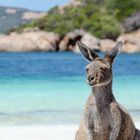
(50, 88)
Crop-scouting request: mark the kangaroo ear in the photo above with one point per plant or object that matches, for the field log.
(113, 53)
(87, 52)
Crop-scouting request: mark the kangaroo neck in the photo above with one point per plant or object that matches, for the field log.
(103, 94)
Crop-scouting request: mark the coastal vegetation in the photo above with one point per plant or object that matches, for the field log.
(99, 24)
(101, 18)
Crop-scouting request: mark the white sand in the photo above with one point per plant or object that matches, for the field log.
(137, 124)
(57, 132)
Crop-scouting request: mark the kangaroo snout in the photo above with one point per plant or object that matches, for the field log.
(90, 78)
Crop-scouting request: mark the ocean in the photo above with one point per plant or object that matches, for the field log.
(50, 88)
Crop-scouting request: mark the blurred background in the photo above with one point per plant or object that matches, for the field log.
(42, 73)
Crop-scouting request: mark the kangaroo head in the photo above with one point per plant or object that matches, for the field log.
(99, 71)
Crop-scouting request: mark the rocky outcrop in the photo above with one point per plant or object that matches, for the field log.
(37, 40)
(106, 44)
(91, 41)
(130, 48)
(40, 36)
(71, 3)
(68, 43)
(69, 40)
(15, 43)
(32, 15)
(132, 22)
(131, 42)
(29, 41)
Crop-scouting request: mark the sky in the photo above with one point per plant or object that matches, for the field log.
(38, 5)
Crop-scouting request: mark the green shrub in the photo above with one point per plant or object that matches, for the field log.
(102, 18)
(123, 8)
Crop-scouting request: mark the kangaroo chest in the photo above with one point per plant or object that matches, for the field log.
(101, 117)
(98, 115)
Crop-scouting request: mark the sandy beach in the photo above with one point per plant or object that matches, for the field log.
(54, 132)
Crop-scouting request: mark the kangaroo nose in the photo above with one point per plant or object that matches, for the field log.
(90, 78)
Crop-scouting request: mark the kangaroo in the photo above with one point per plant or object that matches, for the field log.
(104, 118)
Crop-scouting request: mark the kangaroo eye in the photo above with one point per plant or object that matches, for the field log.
(87, 70)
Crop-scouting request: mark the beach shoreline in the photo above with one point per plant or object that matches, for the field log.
(40, 132)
